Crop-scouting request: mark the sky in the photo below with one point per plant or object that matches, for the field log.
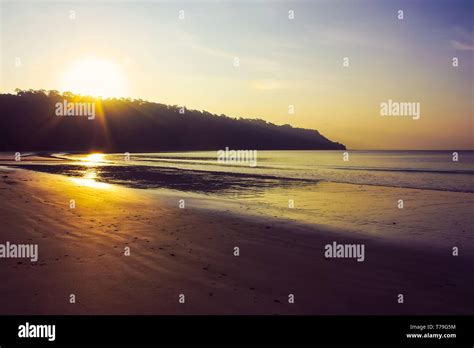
(185, 53)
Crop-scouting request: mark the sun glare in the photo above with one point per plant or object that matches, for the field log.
(89, 180)
(94, 158)
(96, 77)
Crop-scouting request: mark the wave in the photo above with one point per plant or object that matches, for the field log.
(407, 170)
(139, 173)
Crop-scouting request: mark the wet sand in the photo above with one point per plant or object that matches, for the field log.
(190, 251)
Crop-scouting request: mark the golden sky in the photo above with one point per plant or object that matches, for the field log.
(185, 53)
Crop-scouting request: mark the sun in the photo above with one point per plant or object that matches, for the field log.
(95, 157)
(96, 77)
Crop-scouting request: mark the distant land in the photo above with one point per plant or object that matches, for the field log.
(29, 122)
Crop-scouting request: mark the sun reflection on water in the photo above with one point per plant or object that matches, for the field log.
(89, 180)
(93, 159)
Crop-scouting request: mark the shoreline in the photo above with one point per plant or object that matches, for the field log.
(190, 251)
(157, 170)
(414, 230)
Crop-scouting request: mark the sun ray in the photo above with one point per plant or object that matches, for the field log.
(96, 77)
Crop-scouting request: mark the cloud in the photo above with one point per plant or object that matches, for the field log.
(336, 36)
(464, 40)
(351, 37)
(259, 63)
(461, 46)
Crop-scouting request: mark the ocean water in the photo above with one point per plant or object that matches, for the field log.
(309, 187)
(433, 170)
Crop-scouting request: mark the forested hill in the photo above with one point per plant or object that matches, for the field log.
(29, 121)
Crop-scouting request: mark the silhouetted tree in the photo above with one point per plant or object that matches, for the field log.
(28, 123)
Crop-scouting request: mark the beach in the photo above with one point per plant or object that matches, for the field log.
(191, 252)
(185, 172)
